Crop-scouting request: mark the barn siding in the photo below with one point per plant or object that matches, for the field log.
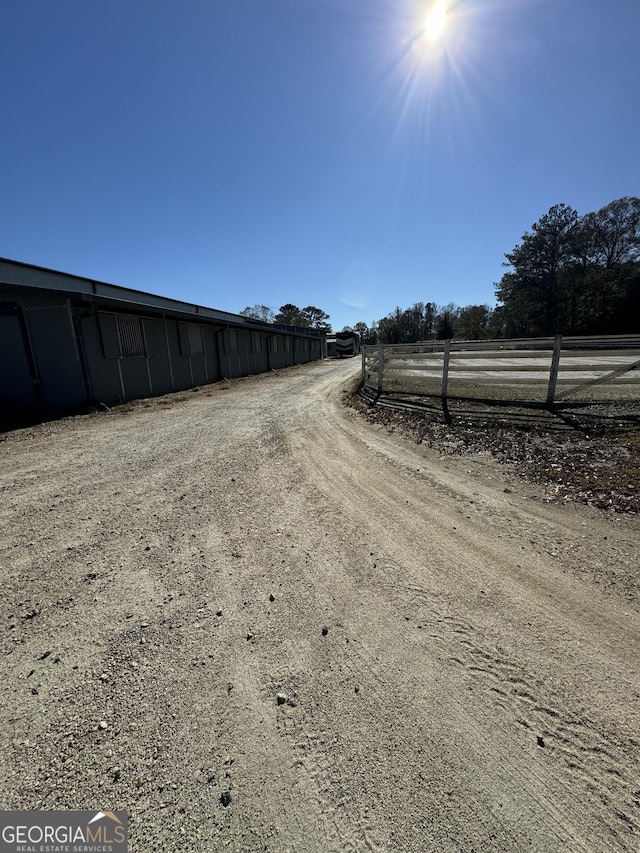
(56, 354)
(65, 341)
(17, 384)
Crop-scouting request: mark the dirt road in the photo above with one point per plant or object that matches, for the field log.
(257, 622)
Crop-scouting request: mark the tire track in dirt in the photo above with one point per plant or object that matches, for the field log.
(601, 764)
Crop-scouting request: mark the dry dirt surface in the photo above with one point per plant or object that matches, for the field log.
(589, 452)
(259, 622)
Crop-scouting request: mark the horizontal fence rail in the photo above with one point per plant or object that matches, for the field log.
(552, 370)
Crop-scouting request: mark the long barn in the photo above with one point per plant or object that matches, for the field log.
(67, 341)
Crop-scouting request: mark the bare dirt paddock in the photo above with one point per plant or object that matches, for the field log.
(258, 621)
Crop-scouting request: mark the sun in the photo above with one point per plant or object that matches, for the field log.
(435, 21)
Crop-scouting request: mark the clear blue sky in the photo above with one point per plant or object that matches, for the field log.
(325, 152)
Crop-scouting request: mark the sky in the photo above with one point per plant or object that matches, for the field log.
(335, 153)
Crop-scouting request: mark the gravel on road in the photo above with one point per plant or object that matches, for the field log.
(256, 620)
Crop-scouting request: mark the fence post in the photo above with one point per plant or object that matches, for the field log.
(553, 373)
(364, 358)
(445, 369)
(380, 366)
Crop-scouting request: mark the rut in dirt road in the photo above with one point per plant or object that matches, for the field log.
(256, 621)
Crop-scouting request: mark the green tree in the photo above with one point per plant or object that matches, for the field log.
(613, 233)
(369, 333)
(309, 317)
(611, 241)
(445, 326)
(363, 330)
(496, 324)
(259, 312)
(291, 315)
(473, 322)
(429, 320)
(535, 293)
(389, 330)
(316, 318)
(625, 318)
(445, 321)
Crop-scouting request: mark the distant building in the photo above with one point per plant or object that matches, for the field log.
(66, 342)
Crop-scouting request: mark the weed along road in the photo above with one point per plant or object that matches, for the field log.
(256, 621)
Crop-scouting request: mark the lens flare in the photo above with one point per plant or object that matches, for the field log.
(435, 21)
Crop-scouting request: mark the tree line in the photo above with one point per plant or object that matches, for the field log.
(570, 275)
(290, 315)
(575, 275)
(426, 321)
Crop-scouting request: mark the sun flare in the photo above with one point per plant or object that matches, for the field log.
(435, 21)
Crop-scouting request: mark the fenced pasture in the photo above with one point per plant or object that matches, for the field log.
(537, 370)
